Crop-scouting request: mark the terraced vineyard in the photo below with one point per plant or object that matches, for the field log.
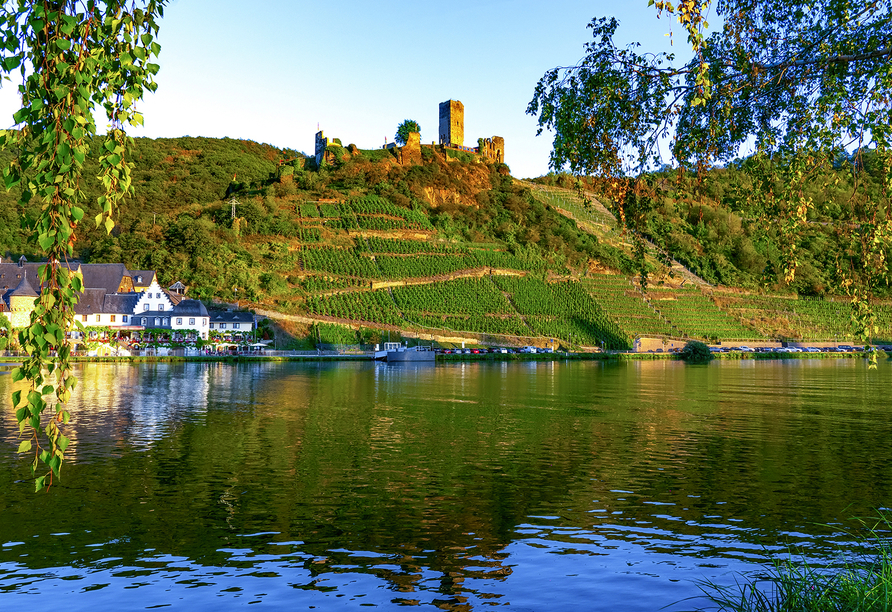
(434, 285)
(627, 306)
(808, 319)
(696, 316)
(468, 304)
(563, 310)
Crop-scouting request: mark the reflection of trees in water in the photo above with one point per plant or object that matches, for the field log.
(423, 478)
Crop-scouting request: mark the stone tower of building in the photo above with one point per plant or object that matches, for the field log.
(21, 303)
(452, 123)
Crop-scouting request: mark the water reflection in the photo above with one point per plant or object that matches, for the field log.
(456, 486)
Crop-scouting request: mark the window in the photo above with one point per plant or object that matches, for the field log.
(143, 321)
(84, 317)
(111, 318)
(235, 326)
(158, 295)
(98, 318)
(179, 321)
(124, 319)
(160, 307)
(166, 321)
(192, 322)
(222, 325)
(157, 322)
(145, 307)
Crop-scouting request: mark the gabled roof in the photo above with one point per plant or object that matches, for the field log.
(91, 302)
(228, 316)
(104, 276)
(120, 303)
(190, 308)
(175, 298)
(11, 274)
(147, 276)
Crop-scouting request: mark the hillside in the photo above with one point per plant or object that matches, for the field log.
(450, 248)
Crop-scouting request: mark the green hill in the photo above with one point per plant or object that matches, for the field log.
(452, 247)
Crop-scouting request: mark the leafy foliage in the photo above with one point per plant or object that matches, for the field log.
(696, 352)
(792, 86)
(71, 56)
(403, 130)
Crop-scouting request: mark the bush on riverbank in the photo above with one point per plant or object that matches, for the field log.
(696, 352)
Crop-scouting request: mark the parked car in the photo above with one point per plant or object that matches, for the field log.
(745, 349)
(812, 349)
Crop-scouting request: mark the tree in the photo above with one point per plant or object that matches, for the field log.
(403, 129)
(791, 84)
(696, 352)
(72, 56)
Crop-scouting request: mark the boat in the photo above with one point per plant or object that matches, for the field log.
(394, 352)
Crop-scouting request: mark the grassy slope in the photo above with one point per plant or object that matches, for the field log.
(446, 248)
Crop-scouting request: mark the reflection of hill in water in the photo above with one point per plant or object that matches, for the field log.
(445, 484)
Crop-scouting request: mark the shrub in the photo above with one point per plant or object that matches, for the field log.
(696, 352)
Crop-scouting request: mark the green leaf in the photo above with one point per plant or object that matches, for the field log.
(39, 484)
(63, 44)
(25, 446)
(63, 443)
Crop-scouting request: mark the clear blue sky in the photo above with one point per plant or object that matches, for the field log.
(272, 70)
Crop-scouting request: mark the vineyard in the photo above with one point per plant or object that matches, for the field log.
(806, 318)
(696, 316)
(563, 310)
(627, 306)
(344, 249)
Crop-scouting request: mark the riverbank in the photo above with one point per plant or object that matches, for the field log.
(8, 363)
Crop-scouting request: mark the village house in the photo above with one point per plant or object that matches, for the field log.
(113, 297)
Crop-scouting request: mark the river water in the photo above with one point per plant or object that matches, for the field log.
(461, 486)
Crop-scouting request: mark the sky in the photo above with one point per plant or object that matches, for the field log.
(274, 71)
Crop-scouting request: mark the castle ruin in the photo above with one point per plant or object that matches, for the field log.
(452, 136)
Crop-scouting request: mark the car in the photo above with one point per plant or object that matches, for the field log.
(812, 349)
(745, 349)
(794, 349)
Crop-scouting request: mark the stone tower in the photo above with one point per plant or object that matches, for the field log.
(21, 303)
(452, 123)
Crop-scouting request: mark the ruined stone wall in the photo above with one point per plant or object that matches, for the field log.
(493, 149)
(452, 123)
(410, 153)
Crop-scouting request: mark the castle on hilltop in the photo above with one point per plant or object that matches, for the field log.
(452, 136)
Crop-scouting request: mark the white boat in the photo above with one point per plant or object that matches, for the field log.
(394, 352)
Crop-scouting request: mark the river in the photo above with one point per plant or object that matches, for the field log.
(460, 486)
